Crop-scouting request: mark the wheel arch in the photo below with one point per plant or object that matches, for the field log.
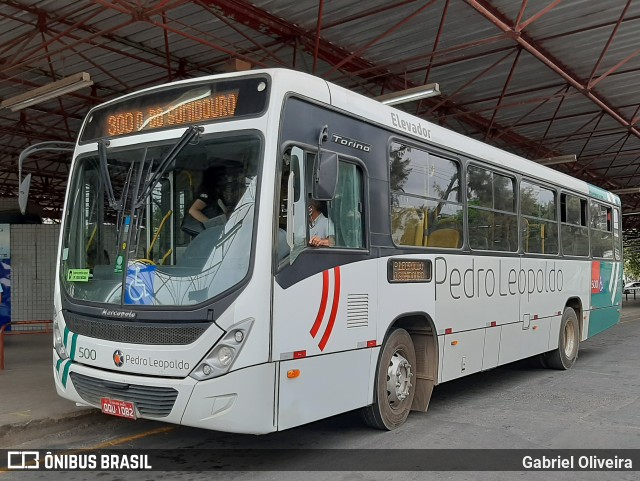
(575, 303)
(421, 328)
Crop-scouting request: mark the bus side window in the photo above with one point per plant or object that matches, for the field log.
(491, 210)
(539, 223)
(574, 229)
(426, 205)
(601, 231)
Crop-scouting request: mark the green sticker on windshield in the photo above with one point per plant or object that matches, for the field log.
(78, 275)
(119, 263)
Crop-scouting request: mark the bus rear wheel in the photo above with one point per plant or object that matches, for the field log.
(565, 356)
(394, 389)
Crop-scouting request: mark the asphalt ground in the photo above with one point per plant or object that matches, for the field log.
(595, 405)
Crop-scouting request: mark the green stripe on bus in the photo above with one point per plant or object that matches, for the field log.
(74, 339)
(58, 365)
(601, 319)
(65, 338)
(65, 373)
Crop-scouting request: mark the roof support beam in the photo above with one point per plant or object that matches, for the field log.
(316, 48)
(504, 91)
(92, 40)
(436, 42)
(31, 61)
(521, 26)
(555, 114)
(450, 97)
(380, 37)
(486, 10)
(248, 37)
(608, 44)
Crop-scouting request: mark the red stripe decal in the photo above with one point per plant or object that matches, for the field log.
(323, 304)
(334, 310)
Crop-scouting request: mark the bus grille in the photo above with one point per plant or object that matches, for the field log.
(135, 333)
(149, 400)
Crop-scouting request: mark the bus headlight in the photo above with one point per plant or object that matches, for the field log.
(225, 356)
(58, 341)
(221, 357)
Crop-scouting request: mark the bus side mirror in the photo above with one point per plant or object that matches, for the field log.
(23, 194)
(325, 180)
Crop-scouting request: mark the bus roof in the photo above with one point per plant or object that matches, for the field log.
(408, 125)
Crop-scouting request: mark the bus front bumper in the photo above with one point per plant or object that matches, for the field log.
(240, 402)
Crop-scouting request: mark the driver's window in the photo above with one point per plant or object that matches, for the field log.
(312, 223)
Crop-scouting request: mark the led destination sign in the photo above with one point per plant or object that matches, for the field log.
(409, 270)
(190, 111)
(197, 103)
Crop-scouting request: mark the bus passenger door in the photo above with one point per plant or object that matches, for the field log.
(324, 320)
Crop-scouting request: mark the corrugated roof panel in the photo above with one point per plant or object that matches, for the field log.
(574, 32)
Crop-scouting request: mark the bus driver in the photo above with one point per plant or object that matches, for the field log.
(320, 228)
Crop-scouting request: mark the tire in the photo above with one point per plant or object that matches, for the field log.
(394, 390)
(567, 352)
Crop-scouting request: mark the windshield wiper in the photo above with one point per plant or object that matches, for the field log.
(106, 178)
(152, 179)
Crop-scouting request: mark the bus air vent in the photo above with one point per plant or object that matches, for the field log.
(135, 333)
(357, 310)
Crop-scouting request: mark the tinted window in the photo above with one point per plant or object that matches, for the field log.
(491, 210)
(425, 198)
(537, 201)
(574, 230)
(601, 230)
(489, 189)
(539, 228)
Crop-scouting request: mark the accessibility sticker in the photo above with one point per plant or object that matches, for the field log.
(139, 283)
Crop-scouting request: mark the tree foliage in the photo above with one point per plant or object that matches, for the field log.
(631, 264)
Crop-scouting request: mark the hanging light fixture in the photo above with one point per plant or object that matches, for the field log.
(47, 92)
(409, 95)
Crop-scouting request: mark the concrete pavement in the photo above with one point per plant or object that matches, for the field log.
(28, 398)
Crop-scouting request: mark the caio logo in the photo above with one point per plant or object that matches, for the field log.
(118, 358)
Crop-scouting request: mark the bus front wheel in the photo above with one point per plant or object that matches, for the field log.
(394, 384)
(565, 356)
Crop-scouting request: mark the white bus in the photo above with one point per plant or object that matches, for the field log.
(434, 256)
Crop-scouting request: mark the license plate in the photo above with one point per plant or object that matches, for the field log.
(115, 407)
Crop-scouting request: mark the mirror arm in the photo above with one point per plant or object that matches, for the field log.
(323, 137)
(24, 184)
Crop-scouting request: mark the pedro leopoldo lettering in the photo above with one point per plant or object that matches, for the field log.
(573, 462)
(476, 282)
(411, 127)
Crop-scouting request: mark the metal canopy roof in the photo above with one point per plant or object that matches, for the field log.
(538, 78)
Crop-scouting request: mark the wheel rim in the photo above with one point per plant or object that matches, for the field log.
(569, 339)
(399, 376)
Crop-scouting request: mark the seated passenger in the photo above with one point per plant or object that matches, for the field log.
(321, 230)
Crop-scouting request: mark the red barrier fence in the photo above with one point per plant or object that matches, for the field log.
(47, 329)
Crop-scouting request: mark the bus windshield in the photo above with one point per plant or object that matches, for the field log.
(141, 233)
